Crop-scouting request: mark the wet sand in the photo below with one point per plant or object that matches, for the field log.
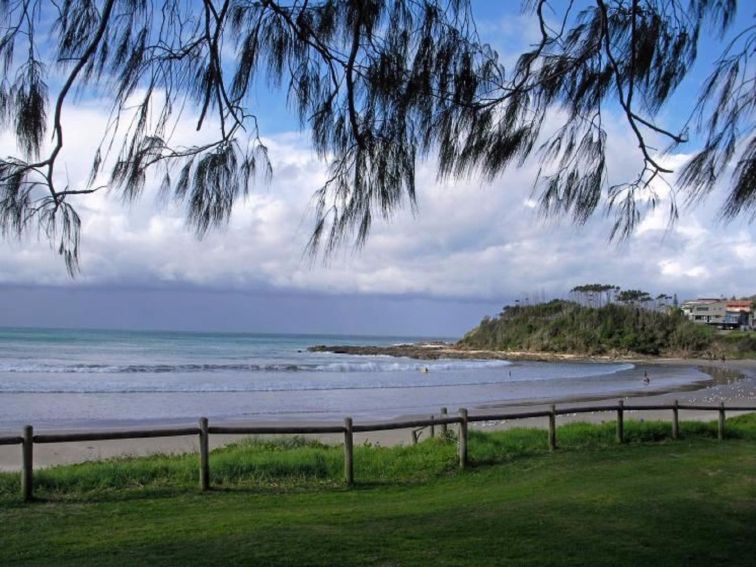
(733, 383)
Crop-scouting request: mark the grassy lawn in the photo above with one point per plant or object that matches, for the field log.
(653, 501)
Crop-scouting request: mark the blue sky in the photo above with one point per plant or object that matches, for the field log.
(472, 247)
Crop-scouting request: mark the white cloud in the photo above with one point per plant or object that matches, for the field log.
(470, 239)
(677, 269)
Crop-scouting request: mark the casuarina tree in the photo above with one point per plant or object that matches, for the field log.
(378, 85)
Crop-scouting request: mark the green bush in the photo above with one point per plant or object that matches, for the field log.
(565, 326)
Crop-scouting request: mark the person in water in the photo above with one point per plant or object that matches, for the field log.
(646, 379)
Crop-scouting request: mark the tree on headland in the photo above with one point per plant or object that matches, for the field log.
(594, 295)
(598, 295)
(633, 297)
(379, 85)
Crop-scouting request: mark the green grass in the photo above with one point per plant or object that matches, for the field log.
(652, 500)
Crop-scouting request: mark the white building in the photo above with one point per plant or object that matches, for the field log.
(722, 313)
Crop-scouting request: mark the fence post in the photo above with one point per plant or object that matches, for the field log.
(348, 451)
(620, 422)
(444, 427)
(721, 428)
(204, 447)
(675, 421)
(27, 454)
(462, 442)
(433, 426)
(552, 428)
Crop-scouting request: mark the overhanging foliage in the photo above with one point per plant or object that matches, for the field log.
(379, 84)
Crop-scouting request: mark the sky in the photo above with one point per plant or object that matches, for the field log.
(471, 247)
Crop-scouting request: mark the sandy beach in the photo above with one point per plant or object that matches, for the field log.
(733, 383)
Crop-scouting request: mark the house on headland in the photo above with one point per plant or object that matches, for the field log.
(720, 312)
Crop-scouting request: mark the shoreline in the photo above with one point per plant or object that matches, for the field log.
(733, 383)
(442, 351)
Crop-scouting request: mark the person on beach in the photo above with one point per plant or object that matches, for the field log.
(646, 379)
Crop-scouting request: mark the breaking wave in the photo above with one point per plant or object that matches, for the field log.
(372, 366)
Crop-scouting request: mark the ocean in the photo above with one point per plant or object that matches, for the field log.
(67, 379)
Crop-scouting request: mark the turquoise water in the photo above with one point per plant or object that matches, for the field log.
(71, 378)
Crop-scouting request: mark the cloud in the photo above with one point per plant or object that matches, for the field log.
(469, 239)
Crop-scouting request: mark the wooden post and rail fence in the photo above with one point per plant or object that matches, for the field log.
(28, 439)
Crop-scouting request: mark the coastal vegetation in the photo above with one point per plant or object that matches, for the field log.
(737, 343)
(612, 328)
(283, 502)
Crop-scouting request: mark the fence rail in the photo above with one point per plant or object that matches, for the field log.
(115, 434)
(203, 430)
(275, 429)
(407, 424)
